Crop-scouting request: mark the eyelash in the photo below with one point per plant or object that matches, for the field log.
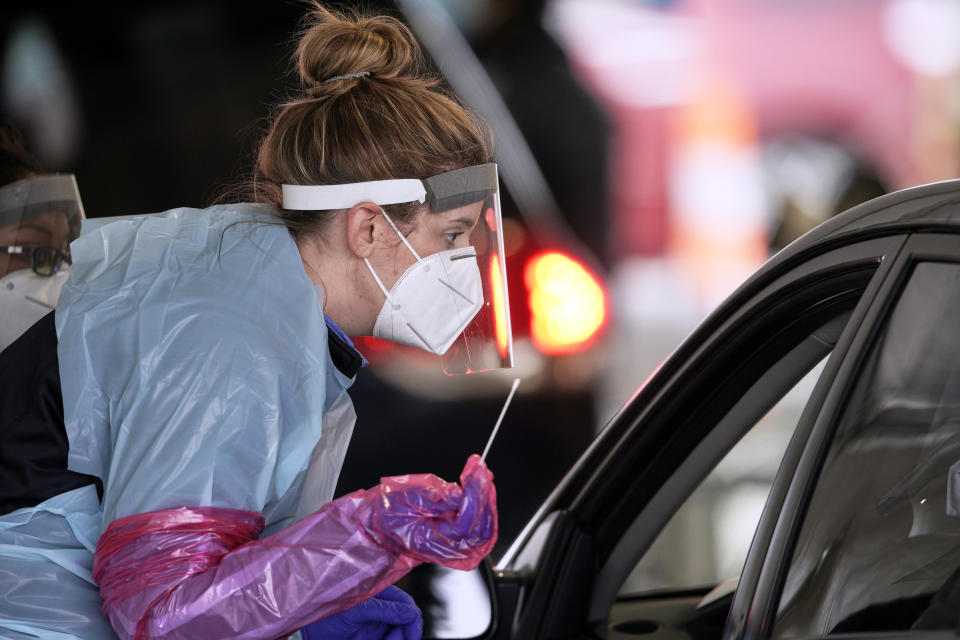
(453, 236)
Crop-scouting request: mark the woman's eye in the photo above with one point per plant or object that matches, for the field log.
(453, 236)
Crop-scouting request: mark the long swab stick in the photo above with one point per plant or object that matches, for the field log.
(503, 412)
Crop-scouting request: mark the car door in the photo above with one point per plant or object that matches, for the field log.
(866, 537)
(565, 575)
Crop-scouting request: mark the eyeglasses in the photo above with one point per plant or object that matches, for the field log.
(45, 261)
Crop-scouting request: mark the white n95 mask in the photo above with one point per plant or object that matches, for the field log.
(433, 301)
(26, 297)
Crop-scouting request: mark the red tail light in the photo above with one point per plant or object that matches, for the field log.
(568, 305)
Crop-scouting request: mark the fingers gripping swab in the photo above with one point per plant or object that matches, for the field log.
(503, 412)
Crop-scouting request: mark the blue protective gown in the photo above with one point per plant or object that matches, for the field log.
(195, 370)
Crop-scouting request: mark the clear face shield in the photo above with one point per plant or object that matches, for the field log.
(453, 299)
(39, 218)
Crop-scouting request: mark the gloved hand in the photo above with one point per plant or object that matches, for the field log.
(435, 521)
(389, 615)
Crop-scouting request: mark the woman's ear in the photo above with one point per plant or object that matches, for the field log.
(363, 228)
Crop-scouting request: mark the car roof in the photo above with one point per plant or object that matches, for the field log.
(934, 206)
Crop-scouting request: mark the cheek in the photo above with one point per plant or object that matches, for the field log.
(11, 263)
(394, 265)
(428, 244)
(402, 258)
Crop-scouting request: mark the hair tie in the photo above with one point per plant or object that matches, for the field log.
(359, 74)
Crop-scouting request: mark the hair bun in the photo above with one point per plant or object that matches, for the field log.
(334, 44)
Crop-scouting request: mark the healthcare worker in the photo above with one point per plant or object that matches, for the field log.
(202, 359)
(39, 217)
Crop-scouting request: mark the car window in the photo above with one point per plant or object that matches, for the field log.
(879, 549)
(706, 541)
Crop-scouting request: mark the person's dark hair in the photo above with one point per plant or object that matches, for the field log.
(394, 122)
(15, 162)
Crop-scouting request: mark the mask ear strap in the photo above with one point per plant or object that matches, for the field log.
(379, 284)
(415, 254)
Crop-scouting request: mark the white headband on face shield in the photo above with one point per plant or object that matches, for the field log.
(442, 192)
(343, 196)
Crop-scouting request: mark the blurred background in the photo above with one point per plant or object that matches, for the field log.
(653, 154)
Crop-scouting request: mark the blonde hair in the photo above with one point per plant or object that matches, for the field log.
(393, 121)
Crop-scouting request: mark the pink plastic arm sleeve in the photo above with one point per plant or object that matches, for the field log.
(201, 573)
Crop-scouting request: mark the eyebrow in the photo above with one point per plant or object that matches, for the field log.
(466, 222)
(35, 227)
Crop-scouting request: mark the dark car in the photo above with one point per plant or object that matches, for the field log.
(860, 531)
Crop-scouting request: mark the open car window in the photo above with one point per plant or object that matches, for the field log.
(707, 539)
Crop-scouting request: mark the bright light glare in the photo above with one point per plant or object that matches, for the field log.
(567, 304)
(499, 307)
(923, 34)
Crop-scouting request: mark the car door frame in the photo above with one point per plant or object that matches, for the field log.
(754, 608)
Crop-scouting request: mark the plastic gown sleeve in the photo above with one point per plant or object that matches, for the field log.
(201, 572)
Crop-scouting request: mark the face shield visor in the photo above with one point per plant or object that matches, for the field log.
(453, 299)
(39, 218)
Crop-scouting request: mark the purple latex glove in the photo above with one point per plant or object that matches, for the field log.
(389, 615)
(425, 518)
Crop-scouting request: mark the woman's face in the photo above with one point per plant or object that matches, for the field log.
(49, 229)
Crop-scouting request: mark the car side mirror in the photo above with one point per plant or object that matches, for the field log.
(455, 604)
